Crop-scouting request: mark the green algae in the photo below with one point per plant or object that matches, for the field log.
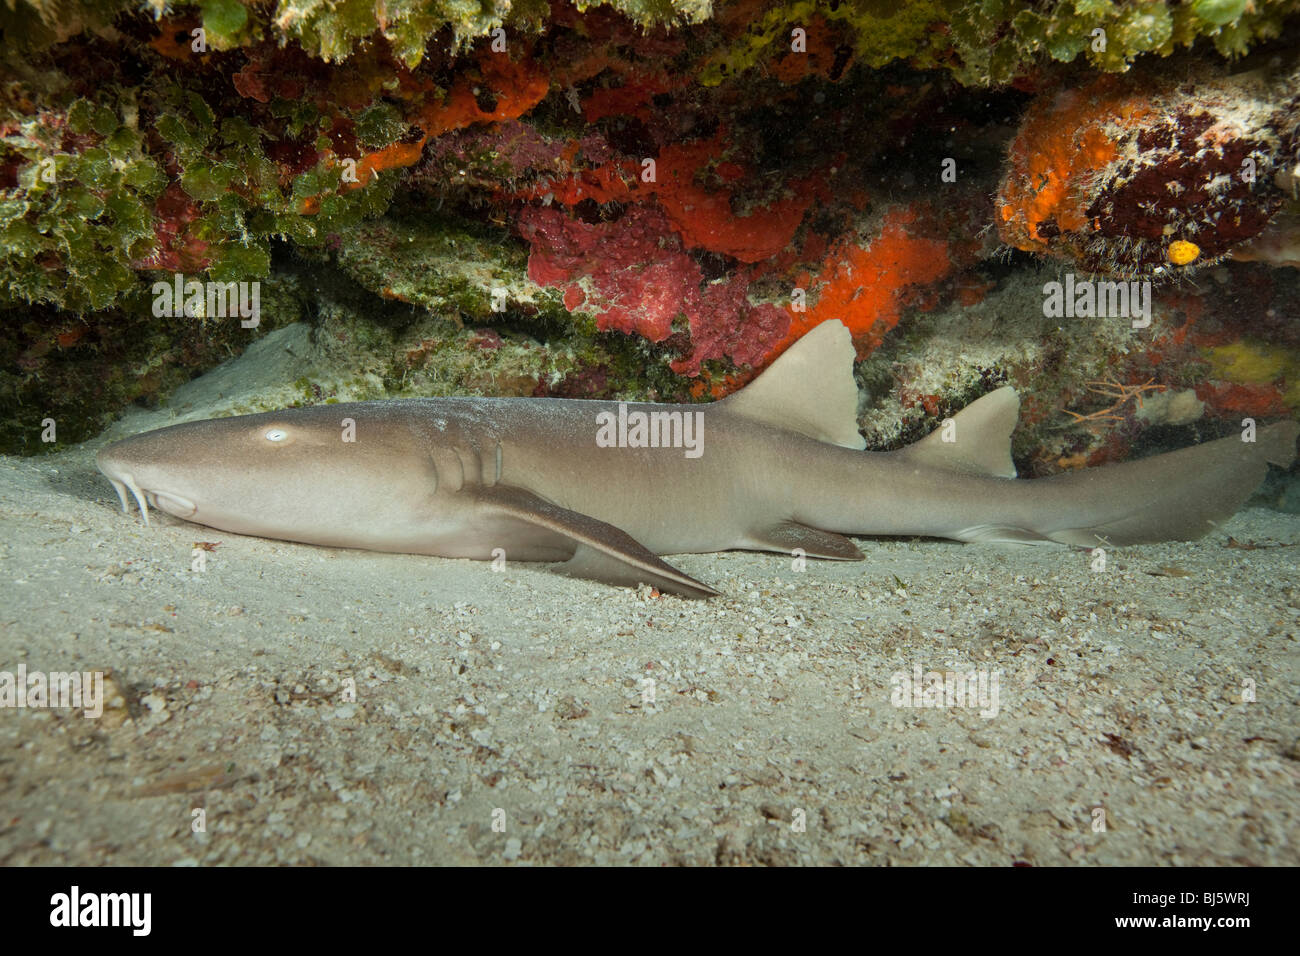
(991, 42)
(81, 228)
(443, 265)
(84, 212)
(332, 31)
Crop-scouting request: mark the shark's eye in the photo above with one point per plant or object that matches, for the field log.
(276, 434)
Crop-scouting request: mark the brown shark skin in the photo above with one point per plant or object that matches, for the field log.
(464, 477)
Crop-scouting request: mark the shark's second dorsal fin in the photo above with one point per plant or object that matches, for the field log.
(809, 389)
(976, 441)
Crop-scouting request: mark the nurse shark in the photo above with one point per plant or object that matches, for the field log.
(606, 487)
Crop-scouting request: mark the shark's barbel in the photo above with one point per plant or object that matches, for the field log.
(778, 466)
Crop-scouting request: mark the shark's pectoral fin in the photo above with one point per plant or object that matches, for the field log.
(600, 551)
(790, 535)
(616, 564)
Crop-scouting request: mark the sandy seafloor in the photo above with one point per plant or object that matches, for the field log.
(520, 696)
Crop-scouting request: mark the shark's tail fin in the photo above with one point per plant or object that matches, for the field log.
(1176, 496)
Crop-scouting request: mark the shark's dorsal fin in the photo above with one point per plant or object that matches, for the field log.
(809, 389)
(977, 441)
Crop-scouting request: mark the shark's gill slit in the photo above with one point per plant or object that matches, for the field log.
(479, 465)
(460, 463)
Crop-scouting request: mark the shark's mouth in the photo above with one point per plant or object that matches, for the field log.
(162, 500)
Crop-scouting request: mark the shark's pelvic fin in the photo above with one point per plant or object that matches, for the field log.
(976, 442)
(789, 535)
(809, 389)
(599, 550)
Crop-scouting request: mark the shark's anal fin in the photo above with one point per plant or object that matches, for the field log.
(788, 536)
(977, 441)
(1000, 534)
(600, 550)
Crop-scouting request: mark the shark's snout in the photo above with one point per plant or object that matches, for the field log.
(118, 469)
(115, 470)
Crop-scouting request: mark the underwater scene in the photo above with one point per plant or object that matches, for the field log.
(649, 432)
